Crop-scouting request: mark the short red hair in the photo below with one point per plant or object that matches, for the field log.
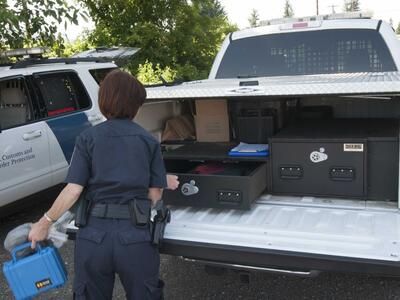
(120, 95)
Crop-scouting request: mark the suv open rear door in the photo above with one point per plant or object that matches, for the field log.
(117, 54)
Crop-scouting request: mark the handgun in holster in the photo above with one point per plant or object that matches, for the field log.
(160, 221)
(82, 208)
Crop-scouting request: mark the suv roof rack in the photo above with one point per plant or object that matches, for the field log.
(44, 61)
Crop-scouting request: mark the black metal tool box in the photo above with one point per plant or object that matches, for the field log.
(337, 158)
(232, 183)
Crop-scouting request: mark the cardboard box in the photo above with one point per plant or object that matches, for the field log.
(212, 121)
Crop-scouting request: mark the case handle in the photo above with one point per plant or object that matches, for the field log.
(23, 247)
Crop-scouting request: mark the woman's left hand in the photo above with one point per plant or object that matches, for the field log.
(39, 231)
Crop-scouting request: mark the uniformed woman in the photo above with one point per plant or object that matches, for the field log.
(120, 166)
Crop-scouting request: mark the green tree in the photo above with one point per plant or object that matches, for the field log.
(398, 29)
(67, 49)
(351, 5)
(288, 10)
(149, 74)
(254, 18)
(7, 20)
(181, 34)
(28, 23)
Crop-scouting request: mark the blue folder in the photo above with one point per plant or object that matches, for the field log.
(249, 150)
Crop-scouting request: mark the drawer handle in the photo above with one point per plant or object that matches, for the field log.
(342, 174)
(291, 172)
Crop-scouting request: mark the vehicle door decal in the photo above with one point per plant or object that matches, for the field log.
(66, 129)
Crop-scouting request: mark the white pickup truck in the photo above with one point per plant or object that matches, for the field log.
(350, 68)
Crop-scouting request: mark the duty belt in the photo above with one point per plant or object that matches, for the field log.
(139, 218)
(111, 211)
(122, 211)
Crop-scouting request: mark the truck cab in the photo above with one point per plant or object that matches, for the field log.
(328, 191)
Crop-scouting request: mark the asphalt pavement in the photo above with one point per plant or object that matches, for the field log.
(187, 280)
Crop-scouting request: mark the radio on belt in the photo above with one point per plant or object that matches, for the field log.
(31, 275)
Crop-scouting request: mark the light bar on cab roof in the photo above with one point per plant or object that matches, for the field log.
(349, 15)
(24, 52)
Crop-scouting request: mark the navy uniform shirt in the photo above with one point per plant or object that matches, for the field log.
(117, 161)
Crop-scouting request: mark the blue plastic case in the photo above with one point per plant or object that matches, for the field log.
(31, 275)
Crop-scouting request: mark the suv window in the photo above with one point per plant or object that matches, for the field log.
(100, 74)
(15, 108)
(62, 93)
(303, 53)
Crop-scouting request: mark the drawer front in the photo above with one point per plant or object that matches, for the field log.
(331, 169)
(218, 191)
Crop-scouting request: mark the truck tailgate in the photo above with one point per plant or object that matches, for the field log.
(340, 228)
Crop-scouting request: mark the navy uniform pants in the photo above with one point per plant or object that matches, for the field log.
(106, 247)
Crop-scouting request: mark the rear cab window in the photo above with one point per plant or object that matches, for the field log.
(308, 52)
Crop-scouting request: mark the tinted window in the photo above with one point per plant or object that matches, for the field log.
(301, 53)
(62, 93)
(15, 108)
(100, 74)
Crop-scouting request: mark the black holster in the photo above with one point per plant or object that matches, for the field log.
(160, 221)
(82, 208)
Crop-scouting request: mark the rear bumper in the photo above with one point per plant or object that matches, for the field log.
(287, 260)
